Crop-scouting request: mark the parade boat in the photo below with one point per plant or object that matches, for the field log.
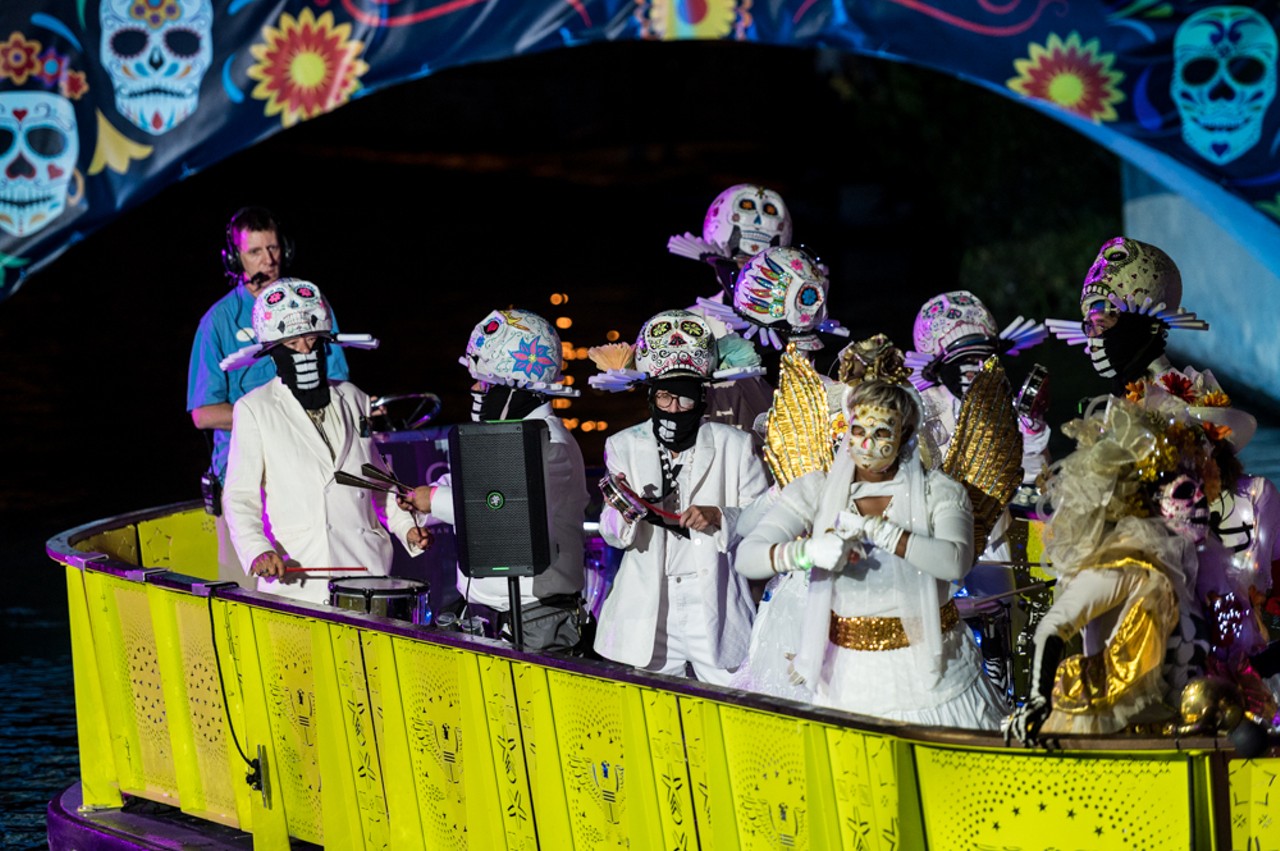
(211, 716)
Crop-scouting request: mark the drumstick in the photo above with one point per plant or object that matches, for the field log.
(382, 476)
(342, 477)
(310, 569)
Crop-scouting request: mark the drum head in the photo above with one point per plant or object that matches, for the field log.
(377, 586)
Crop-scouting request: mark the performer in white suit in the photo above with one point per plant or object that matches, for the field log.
(514, 357)
(288, 437)
(676, 601)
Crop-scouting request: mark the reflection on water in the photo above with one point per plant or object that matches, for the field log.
(38, 754)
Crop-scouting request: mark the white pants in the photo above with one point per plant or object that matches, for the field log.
(681, 639)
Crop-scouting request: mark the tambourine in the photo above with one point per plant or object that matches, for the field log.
(1032, 403)
(629, 503)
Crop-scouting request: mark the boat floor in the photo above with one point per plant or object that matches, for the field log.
(139, 824)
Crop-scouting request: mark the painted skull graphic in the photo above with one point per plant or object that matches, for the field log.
(157, 53)
(39, 146)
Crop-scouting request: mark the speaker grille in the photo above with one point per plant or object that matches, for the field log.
(500, 507)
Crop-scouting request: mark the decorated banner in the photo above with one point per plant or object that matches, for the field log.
(103, 103)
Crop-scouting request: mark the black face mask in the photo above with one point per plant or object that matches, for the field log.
(958, 374)
(507, 403)
(678, 430)
(1128, 348)
(305, 375)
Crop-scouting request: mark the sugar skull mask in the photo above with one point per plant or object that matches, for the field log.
(783, 287)
(288, 308)
(1224, 79)
(746, 219)
(513, 347)
(157, 53)
(875, 434)
(1184, 508)
(675, 343)
(39, 147)
(1127, 270)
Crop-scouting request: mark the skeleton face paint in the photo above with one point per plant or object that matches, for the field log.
(157, 53)
(875, 433)
(39, 146)
(746, 219)
(1184, 508)
(1224, 79)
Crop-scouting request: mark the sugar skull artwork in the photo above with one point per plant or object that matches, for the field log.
(1224, 79)
(676, 342)
(746, 219)
(513, 347)
(288, 308)
(783, 287)
(157, 53)
(39, 146)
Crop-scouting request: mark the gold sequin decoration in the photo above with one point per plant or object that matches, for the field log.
(880, 633)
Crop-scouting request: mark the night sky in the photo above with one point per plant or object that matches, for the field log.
(420, 209)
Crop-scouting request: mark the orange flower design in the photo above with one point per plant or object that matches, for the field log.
(1217, 433)
(1071, 74)
(1135, 391)
(18, 59)
(306, 67)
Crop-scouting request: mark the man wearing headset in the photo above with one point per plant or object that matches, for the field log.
(255, 255)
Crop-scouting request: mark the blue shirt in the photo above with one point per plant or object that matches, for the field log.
(226, 328)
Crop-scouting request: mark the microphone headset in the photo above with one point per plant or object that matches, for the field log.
(252, 219)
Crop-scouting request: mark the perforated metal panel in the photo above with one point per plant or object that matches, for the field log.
(589, 728)
(865, 775)
(139, 668)
(434, 718)
(767, 772)
(977, 799)
(284, 648)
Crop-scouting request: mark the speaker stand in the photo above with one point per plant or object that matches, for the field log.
(517, 615)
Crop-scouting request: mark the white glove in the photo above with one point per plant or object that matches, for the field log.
(828, 550)
(885, 534)
(852, 526)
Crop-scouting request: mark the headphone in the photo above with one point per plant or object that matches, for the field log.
(252, 219)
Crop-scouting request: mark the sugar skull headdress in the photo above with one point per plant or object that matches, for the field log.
(516, 348)
(672, 344)
(781, 296)
(1127, 277)
(291, 307)
(742, 221)
(957, 324)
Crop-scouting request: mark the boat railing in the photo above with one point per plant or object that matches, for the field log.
(293, 721)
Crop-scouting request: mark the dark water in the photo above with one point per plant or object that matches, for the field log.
(38, 755)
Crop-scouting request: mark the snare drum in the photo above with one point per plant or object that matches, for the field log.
(384, 596)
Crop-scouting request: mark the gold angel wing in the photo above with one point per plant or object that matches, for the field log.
(985, 451)
(798, 430)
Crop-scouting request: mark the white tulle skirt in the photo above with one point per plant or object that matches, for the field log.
(892, 684)
(775, 636)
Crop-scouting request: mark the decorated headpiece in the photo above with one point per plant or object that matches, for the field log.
(672, 344)
(957, 324)
(1128, 277)
(780, 295)
(288, 308)
(742, 221)
(38, 168)
(516, 348)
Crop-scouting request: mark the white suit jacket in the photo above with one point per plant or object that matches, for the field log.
(726, 474)
(310, 519)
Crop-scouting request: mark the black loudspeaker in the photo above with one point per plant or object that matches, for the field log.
(253, 219)
(500, 497)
